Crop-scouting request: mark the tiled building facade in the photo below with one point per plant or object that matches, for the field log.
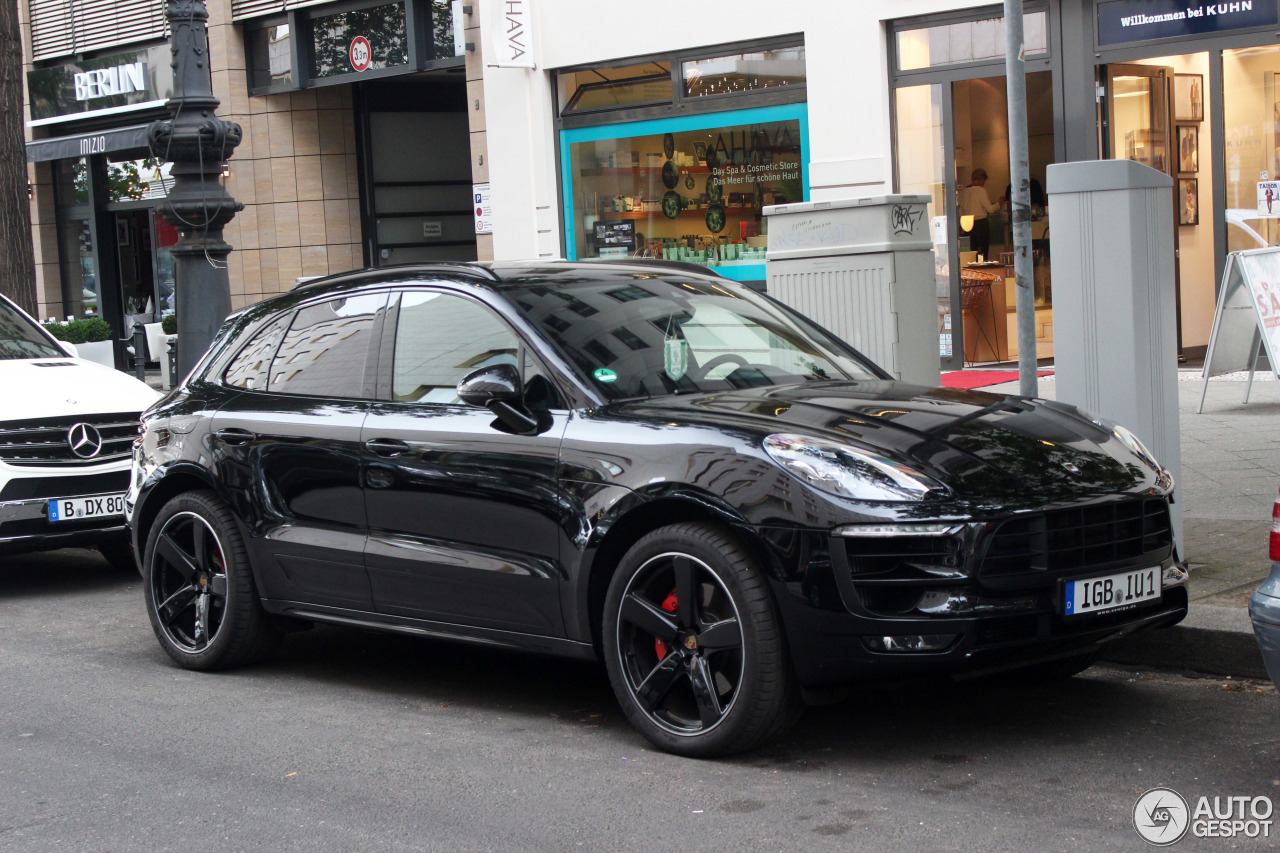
(313, 204)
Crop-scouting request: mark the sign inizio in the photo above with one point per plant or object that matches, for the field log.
(1248, 317)
(1124, 21)
(511, 34)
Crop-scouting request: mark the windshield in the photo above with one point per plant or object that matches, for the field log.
(647, 336)
(19, 338)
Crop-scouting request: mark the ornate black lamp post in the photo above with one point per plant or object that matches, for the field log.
(198, 144)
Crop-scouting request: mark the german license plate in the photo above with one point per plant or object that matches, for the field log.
(1112, 592)
(78, 509)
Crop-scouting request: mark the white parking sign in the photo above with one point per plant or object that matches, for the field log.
(483, 209)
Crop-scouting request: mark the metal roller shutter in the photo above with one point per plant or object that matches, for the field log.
(62, 27)
(241, 9)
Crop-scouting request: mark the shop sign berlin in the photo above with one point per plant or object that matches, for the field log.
(511, 33)
(115, 82)
(1124, 21)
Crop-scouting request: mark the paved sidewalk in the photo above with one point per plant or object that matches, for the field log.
(1230, 479)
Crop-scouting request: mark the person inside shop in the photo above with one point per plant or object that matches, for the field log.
(975, 202)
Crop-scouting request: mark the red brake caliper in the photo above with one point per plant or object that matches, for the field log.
(669, 604)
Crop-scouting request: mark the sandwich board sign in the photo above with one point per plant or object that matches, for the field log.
(1247, 319)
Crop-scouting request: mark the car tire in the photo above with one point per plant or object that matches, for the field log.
(693, 644)
(119, 555)
(199, 590)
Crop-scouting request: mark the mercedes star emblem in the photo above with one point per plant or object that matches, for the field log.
(84, 440)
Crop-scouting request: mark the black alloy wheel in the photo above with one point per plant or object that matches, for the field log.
(201, 598)
(693, 646)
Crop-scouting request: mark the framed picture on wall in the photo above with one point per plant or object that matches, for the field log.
(1188, 97)
(1189, 148)
(1188, 201)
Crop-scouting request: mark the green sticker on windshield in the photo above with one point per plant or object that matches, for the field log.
(604, 374)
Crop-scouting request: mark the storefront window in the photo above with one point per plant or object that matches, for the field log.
(270, 52)
(165, 238)
(445, 30)
(72, 180)
(137, 179)
(744, 72)
(79, 271)
(921, 158)
(1251, 143)
(610, 88)
(967, 41)
(335, 46)
(689, 189)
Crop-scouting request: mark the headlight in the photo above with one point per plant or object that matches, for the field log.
(1126, 437)
(847, 471)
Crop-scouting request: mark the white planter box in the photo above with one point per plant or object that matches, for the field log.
(99, 351)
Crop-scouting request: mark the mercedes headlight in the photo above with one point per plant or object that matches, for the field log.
(846, 471)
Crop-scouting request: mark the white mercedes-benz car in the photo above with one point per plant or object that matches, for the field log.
(67, 427)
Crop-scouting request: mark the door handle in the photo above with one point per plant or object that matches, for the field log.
(233, 436)
(388, 447)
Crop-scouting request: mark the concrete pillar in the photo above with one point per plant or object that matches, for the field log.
(1114, 324)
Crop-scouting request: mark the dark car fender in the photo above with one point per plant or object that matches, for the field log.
(166, 482)
(614, 519)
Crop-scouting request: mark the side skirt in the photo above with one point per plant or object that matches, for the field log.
(438, 630)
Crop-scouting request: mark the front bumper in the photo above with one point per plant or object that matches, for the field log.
(840, 613)
(1264, 610)
(24, 513)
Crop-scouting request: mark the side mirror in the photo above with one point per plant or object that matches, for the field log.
(497, 383)
(497, 388)
(69, 348)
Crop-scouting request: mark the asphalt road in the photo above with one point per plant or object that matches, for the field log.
(360, 742)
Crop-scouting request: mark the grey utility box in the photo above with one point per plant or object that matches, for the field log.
(1114, 323)
(862, 268)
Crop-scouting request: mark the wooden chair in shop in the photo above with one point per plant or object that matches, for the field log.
(975, 294)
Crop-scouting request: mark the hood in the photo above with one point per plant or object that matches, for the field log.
(65, 387)
(980, 445)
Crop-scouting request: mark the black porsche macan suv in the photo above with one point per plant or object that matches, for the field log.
(656, 467)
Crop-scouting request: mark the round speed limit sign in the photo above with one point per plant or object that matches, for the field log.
(360, 53)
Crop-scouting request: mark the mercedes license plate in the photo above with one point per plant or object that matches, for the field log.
(78, 509)
(1112, 592)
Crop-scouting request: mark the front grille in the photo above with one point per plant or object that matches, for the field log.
(31, 488)
(872, 555)
(1064, 540)
(42, 442)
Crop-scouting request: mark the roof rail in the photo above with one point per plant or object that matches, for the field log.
(683, 266)
(472, 268)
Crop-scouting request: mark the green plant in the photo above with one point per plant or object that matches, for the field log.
(87, 331)
(169, 324)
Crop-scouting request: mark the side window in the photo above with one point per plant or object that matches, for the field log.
(250, 367)
(325, 352)
(440, 338)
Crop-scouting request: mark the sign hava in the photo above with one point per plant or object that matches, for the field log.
(103, 82)
(512, 33)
